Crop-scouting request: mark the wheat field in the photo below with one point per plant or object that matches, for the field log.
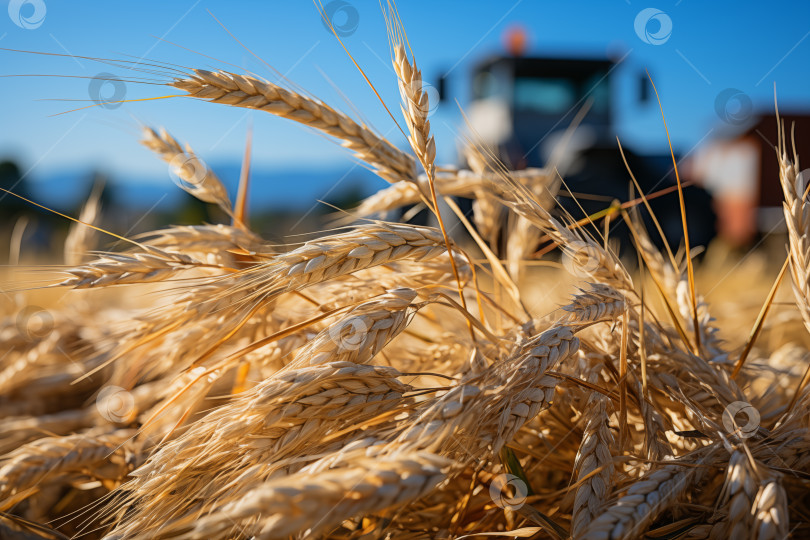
(388, 380)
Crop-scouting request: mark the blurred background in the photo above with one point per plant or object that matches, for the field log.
(520, 70)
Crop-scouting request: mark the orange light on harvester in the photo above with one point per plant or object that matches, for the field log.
(515, 39)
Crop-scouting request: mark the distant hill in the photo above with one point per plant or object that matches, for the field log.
(289, 189)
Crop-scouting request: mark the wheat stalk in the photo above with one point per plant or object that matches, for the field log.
(197, 178)
(601, 302)
(333, 256)
(771, 512)
(741, 490)
(151, 265)
(296, 503)
(250, 92)
(594, 466)
(643, 501)
(80, 238)
(797, 218)
(51, 457)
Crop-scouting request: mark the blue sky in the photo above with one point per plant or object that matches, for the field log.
(713, 46)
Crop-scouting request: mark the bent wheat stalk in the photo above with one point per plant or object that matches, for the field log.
(249, 92)
(197, 178)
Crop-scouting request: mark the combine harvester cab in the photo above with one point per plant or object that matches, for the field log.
(521, 107)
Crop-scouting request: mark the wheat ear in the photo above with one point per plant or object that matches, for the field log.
(587, 257)
(197, 178)
(600, 302)
(643, 501)
(235, 448)
(245, 91)
(52, 457)
(415, 108)
(337, 255)
(594, 465)
(741, 490)
(797, 218)
(151, 265)
(364, 331)
(770, 510)
(481, 414)
(456, 183)
(297, 503)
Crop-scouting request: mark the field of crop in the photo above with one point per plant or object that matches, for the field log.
(390, 380)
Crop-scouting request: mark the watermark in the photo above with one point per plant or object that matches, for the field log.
(429, 97)
(27, 14)
(115, 404)
(501, 486)
(107, 90)
(733, 426)
(733, 106)
(34, 323)
(349, 334)
(581, 259)
(342, 17)
(187, 172)
(653, 26)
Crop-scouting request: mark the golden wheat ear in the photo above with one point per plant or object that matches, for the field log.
(250, 92)
(194, 176)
